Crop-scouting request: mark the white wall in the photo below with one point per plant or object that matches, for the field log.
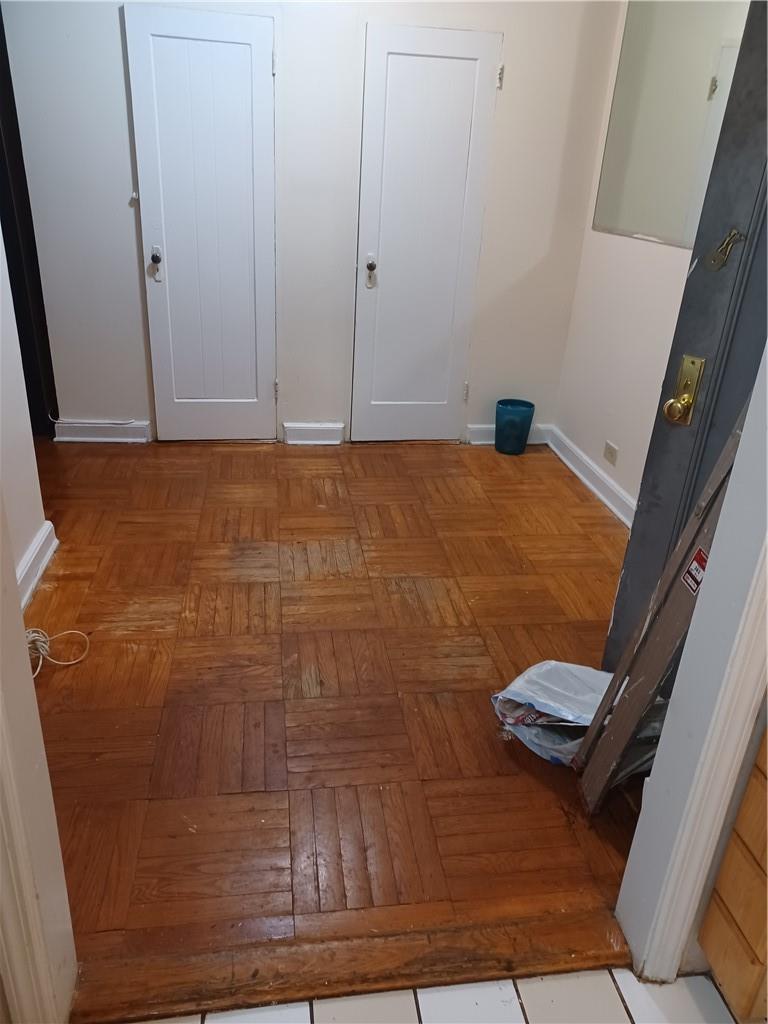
(625, 308)
(74, 127)
(69, 84)
(18, 470)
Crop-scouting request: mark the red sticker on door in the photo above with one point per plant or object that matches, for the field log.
(694, 574)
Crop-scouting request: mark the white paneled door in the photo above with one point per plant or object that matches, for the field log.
(429, 101)
(203, 113)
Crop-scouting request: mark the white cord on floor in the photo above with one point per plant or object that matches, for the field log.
(39, 646)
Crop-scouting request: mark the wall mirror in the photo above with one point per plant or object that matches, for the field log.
(675, 72)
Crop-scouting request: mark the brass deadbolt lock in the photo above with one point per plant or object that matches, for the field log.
(679, 408)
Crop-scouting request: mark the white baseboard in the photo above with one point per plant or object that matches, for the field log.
(313, 433)
(137, 432)
(484, 433)
(34, 560)
(614, 497)
(598, 481)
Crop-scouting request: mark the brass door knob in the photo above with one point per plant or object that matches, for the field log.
(675, 409)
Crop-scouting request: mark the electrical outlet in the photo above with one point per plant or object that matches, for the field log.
(611, 453)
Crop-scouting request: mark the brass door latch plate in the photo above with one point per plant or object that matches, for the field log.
(717, 259)
(679, 408)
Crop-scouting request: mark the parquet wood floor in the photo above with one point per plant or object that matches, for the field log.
(278, 774)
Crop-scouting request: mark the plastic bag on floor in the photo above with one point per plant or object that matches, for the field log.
(549, 707)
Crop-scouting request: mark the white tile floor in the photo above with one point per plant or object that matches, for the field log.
(587, 997)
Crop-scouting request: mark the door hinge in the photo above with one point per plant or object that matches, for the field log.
(274, 63)
(277, 388)
(713, 87)
(466, 390)
(500, 76)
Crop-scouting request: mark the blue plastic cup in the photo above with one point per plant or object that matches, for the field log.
(513, 425)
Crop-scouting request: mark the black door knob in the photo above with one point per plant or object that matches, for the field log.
(370, 266)
(156, 258)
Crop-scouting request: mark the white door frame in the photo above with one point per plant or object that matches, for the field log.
(718, 700)
(38, 965)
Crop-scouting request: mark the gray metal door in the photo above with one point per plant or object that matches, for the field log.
(723, 320)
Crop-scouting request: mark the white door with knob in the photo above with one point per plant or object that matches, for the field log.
(202, 95)
(428, 110)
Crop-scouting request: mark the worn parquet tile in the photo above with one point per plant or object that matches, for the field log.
(467, 521)
(283, 736)
(453, 736)
(331, 604)
(107, 464)
(116, 674)
(377, 490)
(420, 460)
(101, 755)
(230, 609)
(231, 466)
(507, 491)
(528, 518)
(100, 850)
(293, 463)
(412, 557)
(332, 664)
(86, 527)
(439, 659)
(242, 561)
(241, 494)
(369, 464)
(167, 491)
(585, 595)
(483, 824)
(223, 524)
(435, 491)
(484, 556)
(322, 560)
(209, 749)
(515, 648)
(134, 525)
(136, 614)
(556, 554)
(517, 600)
(143, 567)
(364, 846)
(171, 459)
(613, 545)
(419, 602)
(56, 605)
(315, 524)
(85, 495)
(87, 725)
(71, 563)
(225, 669)
(338, 742)
(393, 519)
(177, 882)
(312, 492)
